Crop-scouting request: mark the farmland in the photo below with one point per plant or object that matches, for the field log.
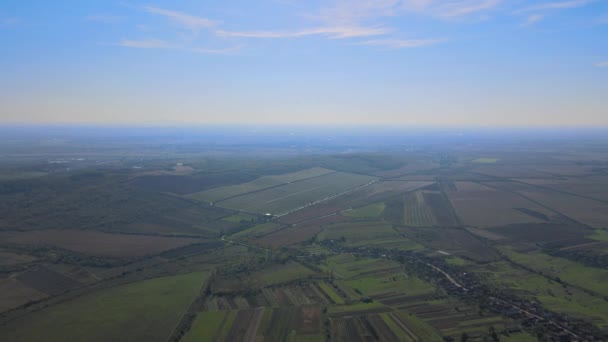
(96, 243)
(285, 198)
(449, 242)
(107, 314)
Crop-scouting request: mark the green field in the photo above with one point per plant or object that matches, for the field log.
(210, 326)
(571, 272)
(146, 311)
(288, 197)
(284, 274)
(261, 183)
(391, 283)
(256, 231)
(417, 211)
(370, 211)
(240, 217)
(420, 328)
(331, 293)
(549, 293)
(356, 232)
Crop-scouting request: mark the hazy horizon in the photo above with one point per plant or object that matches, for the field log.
(381, 62)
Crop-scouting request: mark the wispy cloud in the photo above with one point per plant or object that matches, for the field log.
(401, 43)
(185, 20)
(557, 5)
(331, 32)
(602, 64)
(349, 11)
(162, 44)
(463, 8)
(533, 19)
(145, 44)
(9, 21)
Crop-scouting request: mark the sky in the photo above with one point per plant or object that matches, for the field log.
(305, 62)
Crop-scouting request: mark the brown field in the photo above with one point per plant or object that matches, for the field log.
(592, 186)
(97, 243)
(481, 206)
(188, 184)
(454, 241)
(8, 258)
(427, 208)
(361, 328)
(14, 293)
(505, 171)
(283, 296)
(586, 211)
(409, 168)
(298, 233)
(45, 280)
(538, 233)
(245, 325)
(374, 193)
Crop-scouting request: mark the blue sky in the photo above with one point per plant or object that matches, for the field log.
(388, 62)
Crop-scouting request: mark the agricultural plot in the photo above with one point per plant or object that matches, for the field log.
(147, 310)
(374, 193)
(210, 326)
(417, 212)
(369, 211)
(451, 240)
(13, 293)
(45, 280)
(361, 328)
(539, 233)
(275, 275)
(452, 317)
(245, 325)
(428, 208)
(410, 328)
(591, 278)
(481, 206)
(410, 167)
(9, 258)
(306, 293)
(222, 193)
(510, 171)
(189, 184)
(291, 324)
(551, 294)
(97, 243)
(586, 211)
(290, 197)
(257, 231)
(293, 235)
(594, 187)
(372, 234)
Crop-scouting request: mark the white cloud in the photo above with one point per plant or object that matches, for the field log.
(401, 43)
(331, 32)
(602, 64)
(162, 44)
(146, 44)
(556, 5)
(188, 21)
(463, 8)
(533, 19)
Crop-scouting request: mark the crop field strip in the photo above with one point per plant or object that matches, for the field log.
(289, 197)
(262, 183)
